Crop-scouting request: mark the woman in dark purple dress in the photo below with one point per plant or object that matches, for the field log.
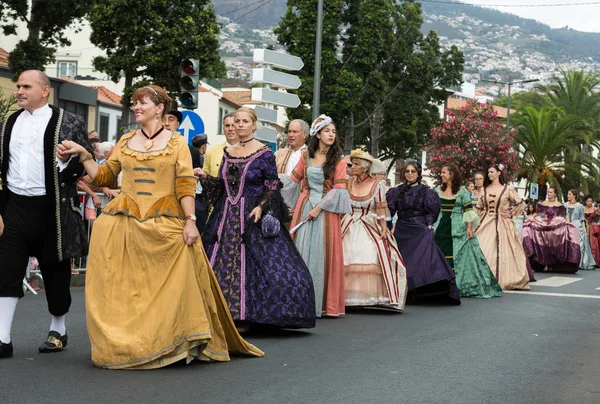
(428, 272)
(260, 272)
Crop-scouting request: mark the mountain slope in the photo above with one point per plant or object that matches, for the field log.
(563, 43)
(493, 41)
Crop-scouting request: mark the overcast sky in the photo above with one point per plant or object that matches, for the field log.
(579, 17)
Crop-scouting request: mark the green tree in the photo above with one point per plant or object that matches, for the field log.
(46, 22)
(523, 99)
(381, 75)
(575, 92)
(297, 33)
(7, 102)
(413, 112)
(145, 40)
(549, 142)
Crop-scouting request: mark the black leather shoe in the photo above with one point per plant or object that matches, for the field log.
(6, 350)
(54, 343)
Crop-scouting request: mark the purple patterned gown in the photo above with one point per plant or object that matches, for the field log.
(262, 277)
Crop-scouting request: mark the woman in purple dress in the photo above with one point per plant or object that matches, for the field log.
(428, 272)
(260, 272)
(550, 242)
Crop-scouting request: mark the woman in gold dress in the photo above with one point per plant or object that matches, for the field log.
(497, 233)
(151, 296)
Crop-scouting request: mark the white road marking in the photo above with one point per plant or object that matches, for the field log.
(524, 292)
(597, 288)
(556, 281)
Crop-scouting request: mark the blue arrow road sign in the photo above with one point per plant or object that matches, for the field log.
(190, 126)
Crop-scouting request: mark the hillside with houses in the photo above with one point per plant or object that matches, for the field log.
(497, 45)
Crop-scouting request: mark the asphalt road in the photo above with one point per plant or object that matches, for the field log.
(536, 347)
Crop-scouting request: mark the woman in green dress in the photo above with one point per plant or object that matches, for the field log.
(454, 235)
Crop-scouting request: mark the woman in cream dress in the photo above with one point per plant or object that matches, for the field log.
(497, 235)
(374, 272)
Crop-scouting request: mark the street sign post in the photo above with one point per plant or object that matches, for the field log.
(265, 114)
(190, 126)
(272, 98)
(533, 191)
(277, 59)
(268, 96)
(266, 135)
(276, 79)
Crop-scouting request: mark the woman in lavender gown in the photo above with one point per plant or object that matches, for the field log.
(428, 272)
(550, 242)
(261, 274)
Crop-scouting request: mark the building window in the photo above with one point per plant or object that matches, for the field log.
(67, 69)
(117, 125)
(75, 108)
(222, 114)
(103, 127)
(220, 125)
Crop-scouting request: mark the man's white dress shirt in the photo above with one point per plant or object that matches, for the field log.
(294, 159)
(26, 174)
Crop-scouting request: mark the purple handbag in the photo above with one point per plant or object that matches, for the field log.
(270, 225)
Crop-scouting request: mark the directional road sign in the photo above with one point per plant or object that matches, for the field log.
(277, 59)
(266, 114)
(266, 135)
(190, 126)
(275, 78)
(533, 191)
(269, 96)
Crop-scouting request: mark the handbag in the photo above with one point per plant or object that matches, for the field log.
(270, 225)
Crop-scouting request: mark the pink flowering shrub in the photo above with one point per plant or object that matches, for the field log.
(472, 138)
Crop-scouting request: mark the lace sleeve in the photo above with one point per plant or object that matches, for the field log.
(290, 190)
(272, 201)
(336, 201)
(213, 189)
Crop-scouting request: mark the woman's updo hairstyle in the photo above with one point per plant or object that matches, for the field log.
(156, 94)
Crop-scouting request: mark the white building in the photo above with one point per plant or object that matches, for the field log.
(74, 61)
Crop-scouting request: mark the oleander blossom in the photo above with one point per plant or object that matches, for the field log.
(473, 138)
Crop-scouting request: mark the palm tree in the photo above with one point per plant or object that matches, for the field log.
(550, 142)
(577, 92)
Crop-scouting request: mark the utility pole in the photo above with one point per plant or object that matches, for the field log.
(509, 84)
(317, 77)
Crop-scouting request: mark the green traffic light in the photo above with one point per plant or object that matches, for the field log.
(187, 100)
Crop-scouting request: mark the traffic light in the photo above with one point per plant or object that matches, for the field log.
(188, 83)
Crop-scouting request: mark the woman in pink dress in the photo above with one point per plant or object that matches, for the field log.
(592, 217)
(551, 243)
(318, 192)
